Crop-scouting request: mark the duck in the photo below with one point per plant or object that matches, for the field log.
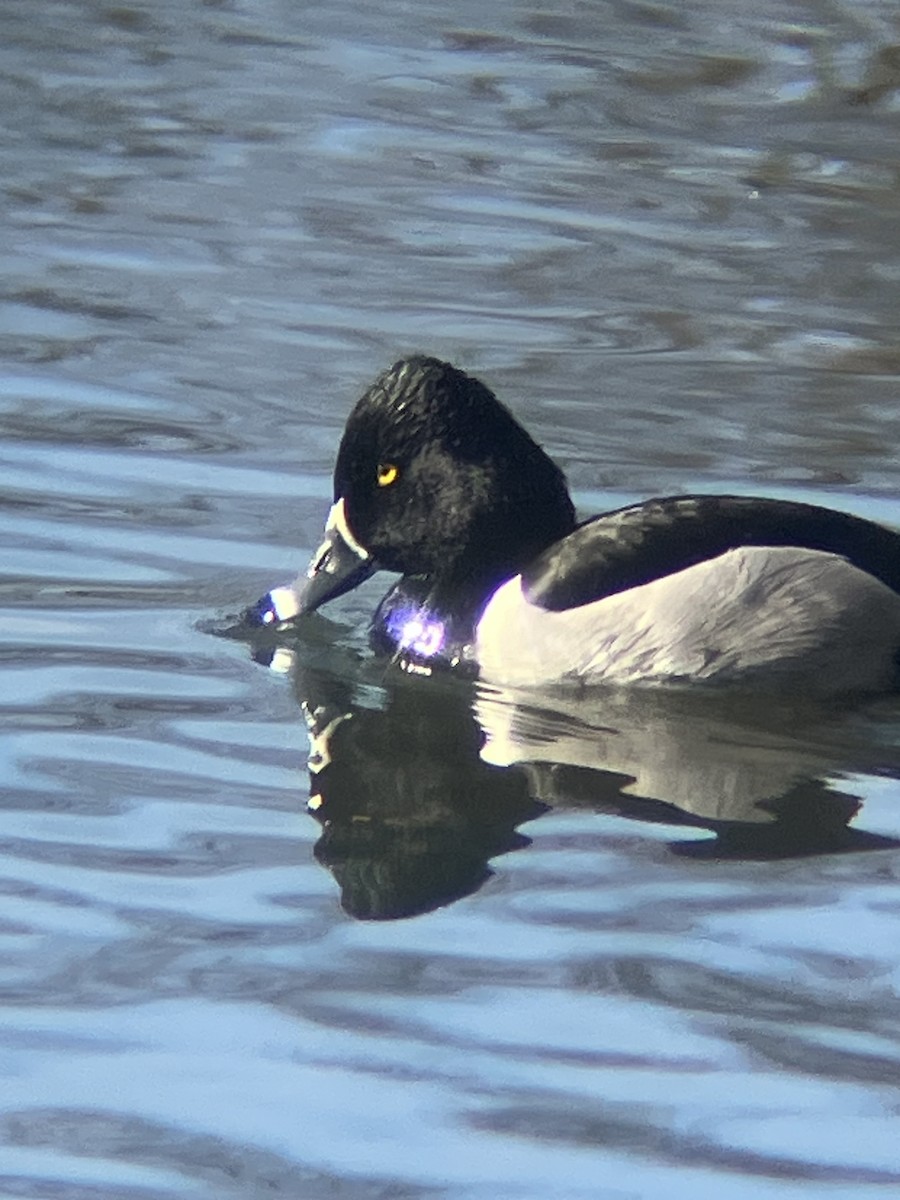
(437, 482)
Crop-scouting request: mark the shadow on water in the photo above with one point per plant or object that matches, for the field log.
(418, 783)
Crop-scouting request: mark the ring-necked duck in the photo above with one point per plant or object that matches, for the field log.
(436, 481)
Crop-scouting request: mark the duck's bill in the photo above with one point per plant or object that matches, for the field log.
(339, 565)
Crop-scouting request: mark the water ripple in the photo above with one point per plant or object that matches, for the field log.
(509, 950)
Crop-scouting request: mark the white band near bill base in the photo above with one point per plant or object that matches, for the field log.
(337, 519)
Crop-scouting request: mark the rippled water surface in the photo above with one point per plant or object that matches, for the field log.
(646, 946)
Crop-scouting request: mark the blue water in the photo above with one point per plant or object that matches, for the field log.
(490, 948)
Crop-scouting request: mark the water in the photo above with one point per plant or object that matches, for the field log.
(642, 948)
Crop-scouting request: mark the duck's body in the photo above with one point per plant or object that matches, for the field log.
(435, 480)
(768, 618)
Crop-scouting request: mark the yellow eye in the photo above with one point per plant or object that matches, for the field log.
(388, 473)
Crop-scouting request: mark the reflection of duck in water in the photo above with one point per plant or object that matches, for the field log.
(436, 481)
(758, 774)
(410, 814)
(415, 796)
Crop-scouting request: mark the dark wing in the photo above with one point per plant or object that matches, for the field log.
(643, 542)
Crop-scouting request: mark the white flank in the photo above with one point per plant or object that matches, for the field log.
(757, 616)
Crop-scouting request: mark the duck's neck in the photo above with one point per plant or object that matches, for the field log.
(497, 547)
(431, 619)
(422, 630)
